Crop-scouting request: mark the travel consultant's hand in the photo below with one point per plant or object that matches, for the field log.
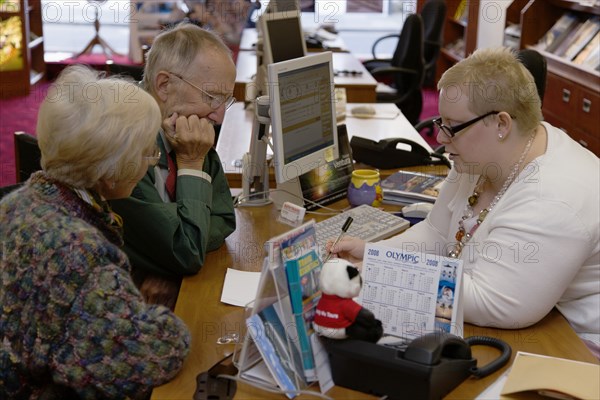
(349, 248)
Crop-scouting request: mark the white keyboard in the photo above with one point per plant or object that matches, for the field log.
(369, 223)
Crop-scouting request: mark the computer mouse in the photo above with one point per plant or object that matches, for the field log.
(363, 111)
(417, 210)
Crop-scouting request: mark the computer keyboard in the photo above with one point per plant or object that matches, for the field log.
(369, 223)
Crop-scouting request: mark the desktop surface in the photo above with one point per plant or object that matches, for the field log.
(360, 85)
(199, 306)
(235, 134)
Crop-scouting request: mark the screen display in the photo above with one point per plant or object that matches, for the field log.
(305, 101)
(303, 120)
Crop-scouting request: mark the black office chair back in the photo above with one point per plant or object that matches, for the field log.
(27, 155)
(434, 15)
(409, 56)
(536, 64)
(4, 190)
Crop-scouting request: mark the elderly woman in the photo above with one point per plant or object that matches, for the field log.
(519, 207)
(72, 323)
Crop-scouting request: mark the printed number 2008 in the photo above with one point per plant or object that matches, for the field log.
(373, 252)
(432, 263)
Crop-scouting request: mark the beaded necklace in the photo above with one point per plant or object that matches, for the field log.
(462, 236)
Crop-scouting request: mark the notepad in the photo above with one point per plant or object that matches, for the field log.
(551, 376)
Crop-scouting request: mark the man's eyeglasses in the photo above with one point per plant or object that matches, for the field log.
(154, 158)
(214, 101)
(452, 131)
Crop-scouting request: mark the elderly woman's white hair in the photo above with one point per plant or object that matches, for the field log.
(93, 128)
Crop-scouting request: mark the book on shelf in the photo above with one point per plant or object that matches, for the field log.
(462, 11)
(555, 35)
(590, 55)
(300, 255)
(412, 293)
(566, 41)
(406, 187)
(583, 36)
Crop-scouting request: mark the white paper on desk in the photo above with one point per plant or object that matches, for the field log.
(240, 287)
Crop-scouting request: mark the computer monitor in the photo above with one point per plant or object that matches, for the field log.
(300, 112)
(274, 6)
(282, 36)
(303, 118)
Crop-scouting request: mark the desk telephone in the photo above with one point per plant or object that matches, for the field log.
(392, 153)
(428, 367)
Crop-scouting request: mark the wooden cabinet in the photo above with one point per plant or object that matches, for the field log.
(460, 33)
(22, 46)
(572, 98)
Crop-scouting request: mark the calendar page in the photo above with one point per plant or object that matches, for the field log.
(412, 293)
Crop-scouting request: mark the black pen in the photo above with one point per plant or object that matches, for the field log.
(344, 230)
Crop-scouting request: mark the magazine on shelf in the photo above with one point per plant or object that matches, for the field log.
(412, 293)
(562, 47)
(590, 55)
(583, 36)
(405, 187)
(558, 32)
(300, 255)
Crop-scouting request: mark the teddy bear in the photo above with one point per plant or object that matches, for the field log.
(337, 315)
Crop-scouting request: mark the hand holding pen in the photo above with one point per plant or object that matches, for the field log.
(344, 230)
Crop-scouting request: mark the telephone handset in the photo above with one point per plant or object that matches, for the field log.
(394, 153)
(428, 367)
(430, 349)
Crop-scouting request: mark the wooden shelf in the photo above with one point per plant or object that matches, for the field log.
(17, 81)
(572, 98)
(458, 30)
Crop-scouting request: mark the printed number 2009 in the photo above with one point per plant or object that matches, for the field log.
(373, 252)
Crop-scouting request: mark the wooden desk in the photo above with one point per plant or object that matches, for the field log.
(200, 307)
(359, 88)
(234, 138)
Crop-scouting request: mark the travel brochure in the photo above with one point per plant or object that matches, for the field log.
(404, 187)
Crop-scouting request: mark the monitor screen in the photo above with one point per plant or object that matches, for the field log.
(282, 36)
(303, 119)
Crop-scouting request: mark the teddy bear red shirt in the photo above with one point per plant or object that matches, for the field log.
(336, 312)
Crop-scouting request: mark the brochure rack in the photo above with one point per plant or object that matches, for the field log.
(272, 298)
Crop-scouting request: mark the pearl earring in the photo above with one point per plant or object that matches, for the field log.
(113, 185)
(500, 136)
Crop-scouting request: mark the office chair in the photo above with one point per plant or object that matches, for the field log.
(27, 155)
(532, 60)
(434, 15)
(404, 71)
(536, 64)
(4, 190)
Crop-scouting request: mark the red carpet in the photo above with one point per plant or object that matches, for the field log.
(20, 114)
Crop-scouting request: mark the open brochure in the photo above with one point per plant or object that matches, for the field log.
(412, 293)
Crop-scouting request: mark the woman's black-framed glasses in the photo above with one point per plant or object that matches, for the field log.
(214, 101)
(452, 131)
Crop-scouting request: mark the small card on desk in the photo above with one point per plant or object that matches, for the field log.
(534, 374)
